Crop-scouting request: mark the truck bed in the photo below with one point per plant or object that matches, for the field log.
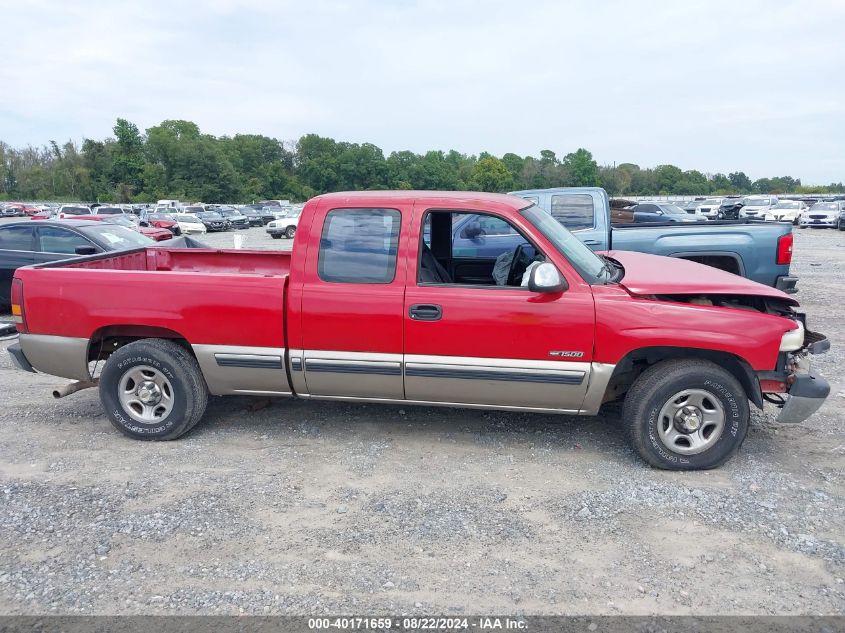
(224, 297)
(196, 260)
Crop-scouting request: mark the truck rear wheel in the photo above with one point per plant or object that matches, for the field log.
(686, 415)
(153, 389)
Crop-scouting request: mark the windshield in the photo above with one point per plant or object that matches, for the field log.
(825, 206)
(160, 216)
(116, 237)
(591, 267)
(787, 205)
(711, 202)
(188, 219)
(756, 202)
(671, 209)
(210, 216)
(194, 209)
(76, 211)
(109, 211)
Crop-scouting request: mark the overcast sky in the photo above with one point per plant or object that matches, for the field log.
(718, 86)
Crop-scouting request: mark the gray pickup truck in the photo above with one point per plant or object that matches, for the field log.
(760, 251)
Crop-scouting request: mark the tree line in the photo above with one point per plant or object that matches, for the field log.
(176, 160)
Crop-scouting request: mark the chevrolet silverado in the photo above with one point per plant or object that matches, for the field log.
(377, 304)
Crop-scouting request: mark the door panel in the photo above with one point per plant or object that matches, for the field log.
(352, 305)
(497, 345)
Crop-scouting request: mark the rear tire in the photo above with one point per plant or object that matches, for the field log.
(290, 232)
(153, 389)
(687, 414)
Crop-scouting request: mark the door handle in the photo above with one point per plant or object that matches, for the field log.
(592, 242)
(425, 312)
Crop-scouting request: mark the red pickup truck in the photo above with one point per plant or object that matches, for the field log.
(381, 302)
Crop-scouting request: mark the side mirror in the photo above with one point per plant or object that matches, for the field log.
(143, 223)
(546, 278)
(85, 250)
(472, 231)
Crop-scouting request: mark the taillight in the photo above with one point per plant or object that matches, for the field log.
(784, 257)
(18, 313)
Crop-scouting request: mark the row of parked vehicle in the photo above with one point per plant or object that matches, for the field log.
(805, 212)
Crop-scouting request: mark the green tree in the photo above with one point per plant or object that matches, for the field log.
(583, 170)
(491, 174)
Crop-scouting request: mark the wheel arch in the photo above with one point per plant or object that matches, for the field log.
(636, 361)
(105, 340)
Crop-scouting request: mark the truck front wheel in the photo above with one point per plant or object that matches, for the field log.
(686, 415)
(153, 389)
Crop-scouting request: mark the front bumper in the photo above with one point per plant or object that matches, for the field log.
(828, 222)
(806, 395)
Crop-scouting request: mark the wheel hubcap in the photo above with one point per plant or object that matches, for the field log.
(691, 421)
(146, 394)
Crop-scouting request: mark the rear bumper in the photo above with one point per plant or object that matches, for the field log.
(19, 359)
(807, 394)
(787, 284)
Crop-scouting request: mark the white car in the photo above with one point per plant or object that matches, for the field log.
(189, 223)
(786, 211)
(757, 206)
(822, 214)
(67, 210)
(283, 227)
(709, 208)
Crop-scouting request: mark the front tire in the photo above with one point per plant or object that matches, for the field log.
(153, 389)
(290, 232)
(841, 225)
(686, 414)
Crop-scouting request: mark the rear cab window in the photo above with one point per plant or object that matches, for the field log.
(575, 211)
(359, 246)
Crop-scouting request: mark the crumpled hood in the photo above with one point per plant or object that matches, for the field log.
(655, 275)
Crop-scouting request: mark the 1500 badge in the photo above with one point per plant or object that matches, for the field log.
(566, 354)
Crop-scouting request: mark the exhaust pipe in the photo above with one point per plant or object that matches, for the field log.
(73, 387)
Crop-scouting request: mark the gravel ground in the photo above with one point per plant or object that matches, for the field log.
(311, 508)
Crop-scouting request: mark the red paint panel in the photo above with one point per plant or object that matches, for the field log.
(220, 309)
(625, 323)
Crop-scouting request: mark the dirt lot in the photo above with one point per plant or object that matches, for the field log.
(313, 507)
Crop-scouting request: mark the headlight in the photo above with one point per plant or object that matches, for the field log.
(794, 339)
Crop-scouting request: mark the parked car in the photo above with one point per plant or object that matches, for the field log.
(11, 210)
(786, 211)
(756, 250)
(367, 310)
(213, 221)
(757, 206)
(654, 212)
(25, 243)
(690, 206)
(709, 207)
(822, 214)
(256, 218)
(129, 222)
(729, 209)
(189, 224)
(284, 227)
(161, 221)
(106, 210)
(841, 223)
(67, 210)
(234, 218)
